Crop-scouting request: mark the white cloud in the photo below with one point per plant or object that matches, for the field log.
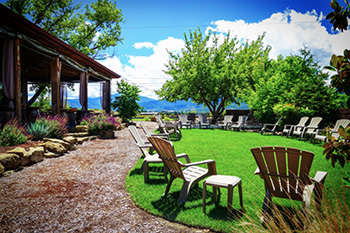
(286, 32)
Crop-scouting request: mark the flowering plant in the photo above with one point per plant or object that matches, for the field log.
(100, 122)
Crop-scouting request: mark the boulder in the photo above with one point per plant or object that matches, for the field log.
(2, 169)
(81, 128)
(55, 147)
(36, 154)
(50, 154)
(9, 161)
(70, 139)
(63, 143)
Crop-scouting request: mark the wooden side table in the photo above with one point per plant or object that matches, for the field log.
(222, 181)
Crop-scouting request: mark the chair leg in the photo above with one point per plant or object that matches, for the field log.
(229, 200)
(165, 170)
(145, 172)
(184, 192)
(204, 196)
(240, 195)
(172, 178)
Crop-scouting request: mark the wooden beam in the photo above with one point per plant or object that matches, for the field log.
(18, 86)
(35, 96)
(108, 96)
(55, 85)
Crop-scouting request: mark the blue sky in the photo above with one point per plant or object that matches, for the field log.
(152, 27)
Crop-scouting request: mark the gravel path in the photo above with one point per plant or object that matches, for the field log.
(82, 191)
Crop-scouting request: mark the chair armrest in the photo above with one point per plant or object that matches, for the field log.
(144, 146)
(257, 171)
(199, 163)
(320, 177)
(285, 126)
(184, 155)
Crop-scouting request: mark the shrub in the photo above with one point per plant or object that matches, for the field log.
(57, 125)
(39, 130)
(12, 134)
(100, 122)
(290, 113)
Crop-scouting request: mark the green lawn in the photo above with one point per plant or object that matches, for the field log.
(231, 151)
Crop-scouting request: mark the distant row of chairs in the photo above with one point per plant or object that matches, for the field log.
(302, 130)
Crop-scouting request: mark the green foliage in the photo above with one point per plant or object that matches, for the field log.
(100, 122)
(91, 31)
(38, 130)
(293, 87)
(340, 64)
(57, 125)
(338, 150)
(126, 104)
(212, 73)
(12, 134)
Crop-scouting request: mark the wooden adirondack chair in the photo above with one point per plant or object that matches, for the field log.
(308, 130)
(149, 157)
(203, 121)
(167, 127)
(191, 174)
(270, 127)
(225, 123)
(239, 124)
(183, 121)
(285, 172)
(341, 122)
(289, 129)
(149, 134)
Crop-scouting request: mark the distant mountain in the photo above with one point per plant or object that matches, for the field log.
(153, 105)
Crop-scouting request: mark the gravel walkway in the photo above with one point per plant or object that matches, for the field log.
(82, 191)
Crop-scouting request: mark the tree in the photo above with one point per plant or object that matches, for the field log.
(126, 104)
(210, 73)
(292, 87)
(340, 63)
(91, 31)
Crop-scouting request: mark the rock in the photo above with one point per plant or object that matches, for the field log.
(9, 161)
(82, 134)
(81, 128)
(70, 139)
(55, 147)
(18, 151)
(36, 154)
(2, 169)
(63, 143)
(50, 154)
(8, 173)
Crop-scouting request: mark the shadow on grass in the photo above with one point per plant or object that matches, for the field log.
(156, 175)
(169, 208)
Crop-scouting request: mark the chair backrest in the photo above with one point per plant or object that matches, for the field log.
(167, 154)
(144, 128)
(314, 123)
(276, 124)
(227, 118)
(202, 118)
(285, 170)
(183, 118)
(135, 134)
(242, 119)
(341, 122)
(303, 121)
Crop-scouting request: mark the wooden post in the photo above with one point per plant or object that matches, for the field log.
(108, 97)
(55, 85)
(17, 76)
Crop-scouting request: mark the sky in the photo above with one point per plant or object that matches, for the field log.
(152, 27)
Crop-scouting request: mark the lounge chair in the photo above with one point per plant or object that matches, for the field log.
(225, 123)
(285, 172)
(203, 121)
(183, 121)
(270, 127)
(149, 157)
(289, 129)
(149, 134)
(341, 122)
(191, 174)
(167, 127)
(239, 124)
(308, 130)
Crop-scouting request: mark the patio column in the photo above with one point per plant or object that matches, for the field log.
(55, 85)
(108, 96)
(83, 91)
(18, 85)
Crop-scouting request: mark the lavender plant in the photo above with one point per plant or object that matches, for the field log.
(57, 125)
(100, 122)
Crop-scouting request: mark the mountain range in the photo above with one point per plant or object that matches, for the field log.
(152, 105)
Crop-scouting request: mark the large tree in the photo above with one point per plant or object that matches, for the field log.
(292, 87)
(91, 31)
(211, 72)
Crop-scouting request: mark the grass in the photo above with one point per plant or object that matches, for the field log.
(231, 151)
